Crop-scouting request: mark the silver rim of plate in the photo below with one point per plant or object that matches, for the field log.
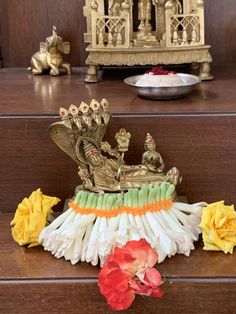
(164, 92)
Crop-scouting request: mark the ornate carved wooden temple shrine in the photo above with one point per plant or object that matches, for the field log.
(145, 32)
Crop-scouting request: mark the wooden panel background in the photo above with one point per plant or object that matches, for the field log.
(203, 149)
(27, 22)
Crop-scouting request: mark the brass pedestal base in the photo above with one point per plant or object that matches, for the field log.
(92, 74)
(148, 56)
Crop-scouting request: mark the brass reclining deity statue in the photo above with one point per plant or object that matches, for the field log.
(50, 55)
(102, 168)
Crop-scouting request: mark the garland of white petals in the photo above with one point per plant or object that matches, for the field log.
(88, 237)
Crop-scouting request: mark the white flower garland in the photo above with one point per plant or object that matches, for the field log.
(86, 237)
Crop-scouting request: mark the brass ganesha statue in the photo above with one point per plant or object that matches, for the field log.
(50, 56)
(101, 167)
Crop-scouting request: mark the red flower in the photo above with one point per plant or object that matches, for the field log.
(128, 272)
(160, 71)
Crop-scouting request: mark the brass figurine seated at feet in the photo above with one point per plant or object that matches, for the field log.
(101, 167)
(50, 56)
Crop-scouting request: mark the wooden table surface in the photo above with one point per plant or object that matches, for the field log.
(25, 94)
(34, 280)
(22, 263)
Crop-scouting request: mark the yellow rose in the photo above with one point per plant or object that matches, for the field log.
(218, 226)
(31, 217)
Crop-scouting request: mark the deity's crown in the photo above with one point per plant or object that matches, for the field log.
(149, 139)
(89, 149)
(122, 131)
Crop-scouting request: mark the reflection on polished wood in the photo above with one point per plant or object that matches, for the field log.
(23, 93)
(58, 287)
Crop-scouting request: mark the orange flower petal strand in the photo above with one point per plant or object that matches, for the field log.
(155, 207)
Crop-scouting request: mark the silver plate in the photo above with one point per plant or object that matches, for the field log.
(169, 92)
